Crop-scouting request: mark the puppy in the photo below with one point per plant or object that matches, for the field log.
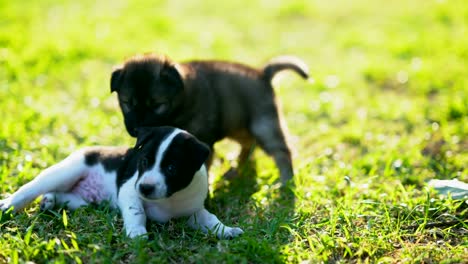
(210, 99)
(162, 177)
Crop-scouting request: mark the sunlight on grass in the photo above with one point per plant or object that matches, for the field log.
(387, 112)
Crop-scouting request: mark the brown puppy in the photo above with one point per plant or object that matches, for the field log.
(210, 99)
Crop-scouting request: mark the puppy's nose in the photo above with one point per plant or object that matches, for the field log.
(146, 189)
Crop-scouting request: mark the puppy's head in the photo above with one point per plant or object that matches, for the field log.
(149, 89)
(167, 160)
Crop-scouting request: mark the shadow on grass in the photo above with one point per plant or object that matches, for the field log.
(236, 187)
(233, 199)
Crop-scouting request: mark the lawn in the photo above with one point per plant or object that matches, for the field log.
(386, 112)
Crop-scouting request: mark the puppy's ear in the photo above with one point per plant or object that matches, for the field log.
(197, 152)
(116, 78)
(171, 76)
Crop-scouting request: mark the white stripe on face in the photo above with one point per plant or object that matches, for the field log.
(155, 177)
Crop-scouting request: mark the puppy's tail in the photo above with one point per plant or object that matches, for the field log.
(285, 63)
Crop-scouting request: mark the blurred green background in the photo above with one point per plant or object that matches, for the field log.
(387, 108)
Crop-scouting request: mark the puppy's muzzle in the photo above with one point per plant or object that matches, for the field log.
(151, 191)
(147, 189)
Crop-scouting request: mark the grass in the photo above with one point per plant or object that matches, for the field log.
(387, 112)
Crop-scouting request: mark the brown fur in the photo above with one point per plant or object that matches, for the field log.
(210, 99)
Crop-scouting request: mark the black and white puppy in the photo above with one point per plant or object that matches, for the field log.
(162, 177)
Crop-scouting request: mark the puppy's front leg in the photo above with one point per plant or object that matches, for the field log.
(206, 221)
(133, 212)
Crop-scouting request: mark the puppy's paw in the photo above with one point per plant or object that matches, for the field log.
(226, 232)
(47, 202)
(5, 204)
(137, 231)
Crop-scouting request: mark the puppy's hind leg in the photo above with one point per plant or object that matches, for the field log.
(207, 222)
(269, 135)
(70, 200)
(58, 178)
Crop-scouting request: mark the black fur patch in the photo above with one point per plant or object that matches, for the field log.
(184, 156)
(148, 141)
(110, 157)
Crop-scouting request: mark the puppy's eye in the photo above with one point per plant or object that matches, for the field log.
(126, 107)
(143, 164)
(161, 108)
(171, 169)
(129, 102)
